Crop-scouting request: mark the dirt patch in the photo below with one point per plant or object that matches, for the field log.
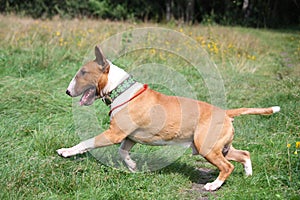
(203, 176)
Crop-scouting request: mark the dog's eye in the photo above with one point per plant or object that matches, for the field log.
(82, 72)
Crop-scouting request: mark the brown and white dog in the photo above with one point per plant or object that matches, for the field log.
(139, 114)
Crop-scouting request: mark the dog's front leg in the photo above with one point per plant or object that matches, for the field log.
(125, 147)
(107, 138)
(80, 148)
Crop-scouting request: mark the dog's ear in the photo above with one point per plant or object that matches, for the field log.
(100, 58)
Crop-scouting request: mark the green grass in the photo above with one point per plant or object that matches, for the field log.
(37, 60)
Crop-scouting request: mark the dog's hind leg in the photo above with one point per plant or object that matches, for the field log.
(242, 157)
(225, 167)
(125, 147)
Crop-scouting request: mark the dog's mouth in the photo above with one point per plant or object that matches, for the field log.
(88, 97)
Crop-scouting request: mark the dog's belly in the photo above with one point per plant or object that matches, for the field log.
(160, 138)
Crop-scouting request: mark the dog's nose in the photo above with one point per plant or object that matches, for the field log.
(68, 92)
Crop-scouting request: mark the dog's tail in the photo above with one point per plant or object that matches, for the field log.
(252, 111)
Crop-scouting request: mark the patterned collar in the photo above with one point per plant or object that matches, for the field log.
(110, 97)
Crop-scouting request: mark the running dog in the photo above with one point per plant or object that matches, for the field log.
(142, 115)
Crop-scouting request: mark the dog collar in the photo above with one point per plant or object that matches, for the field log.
(111, 96)
(140, 91)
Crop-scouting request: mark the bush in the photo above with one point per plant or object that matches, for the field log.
(257, 13)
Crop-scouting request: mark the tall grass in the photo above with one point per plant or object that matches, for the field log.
(38, 59)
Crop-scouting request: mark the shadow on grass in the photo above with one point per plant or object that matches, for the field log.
(198, 175)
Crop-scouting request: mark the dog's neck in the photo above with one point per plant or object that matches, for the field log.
(116, 76)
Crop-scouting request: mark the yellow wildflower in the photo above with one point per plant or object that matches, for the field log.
(215, 48)
(199, 38)
(288, 145)
(61, 40)
(91, 30)
(58, 33)
(152, 51)
(161, 56)
(298, 145)
(296, 152)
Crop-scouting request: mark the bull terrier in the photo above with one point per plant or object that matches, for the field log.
(142, 115)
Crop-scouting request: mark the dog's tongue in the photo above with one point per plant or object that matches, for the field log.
(88, 97)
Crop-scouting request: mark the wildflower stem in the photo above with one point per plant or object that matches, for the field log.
(289, 164)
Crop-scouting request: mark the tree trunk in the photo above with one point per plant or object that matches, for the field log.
(246, 9)
(168, 10)
(190, 11)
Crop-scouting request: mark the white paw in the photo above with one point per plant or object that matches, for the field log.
(66, 152)
(248, 167)
(132, 169)
(275, 109)
(213, 185)
(130, 164)
(80, 148)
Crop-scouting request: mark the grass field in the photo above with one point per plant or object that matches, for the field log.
(260, 68)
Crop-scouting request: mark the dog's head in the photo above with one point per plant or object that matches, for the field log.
(90, 79)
